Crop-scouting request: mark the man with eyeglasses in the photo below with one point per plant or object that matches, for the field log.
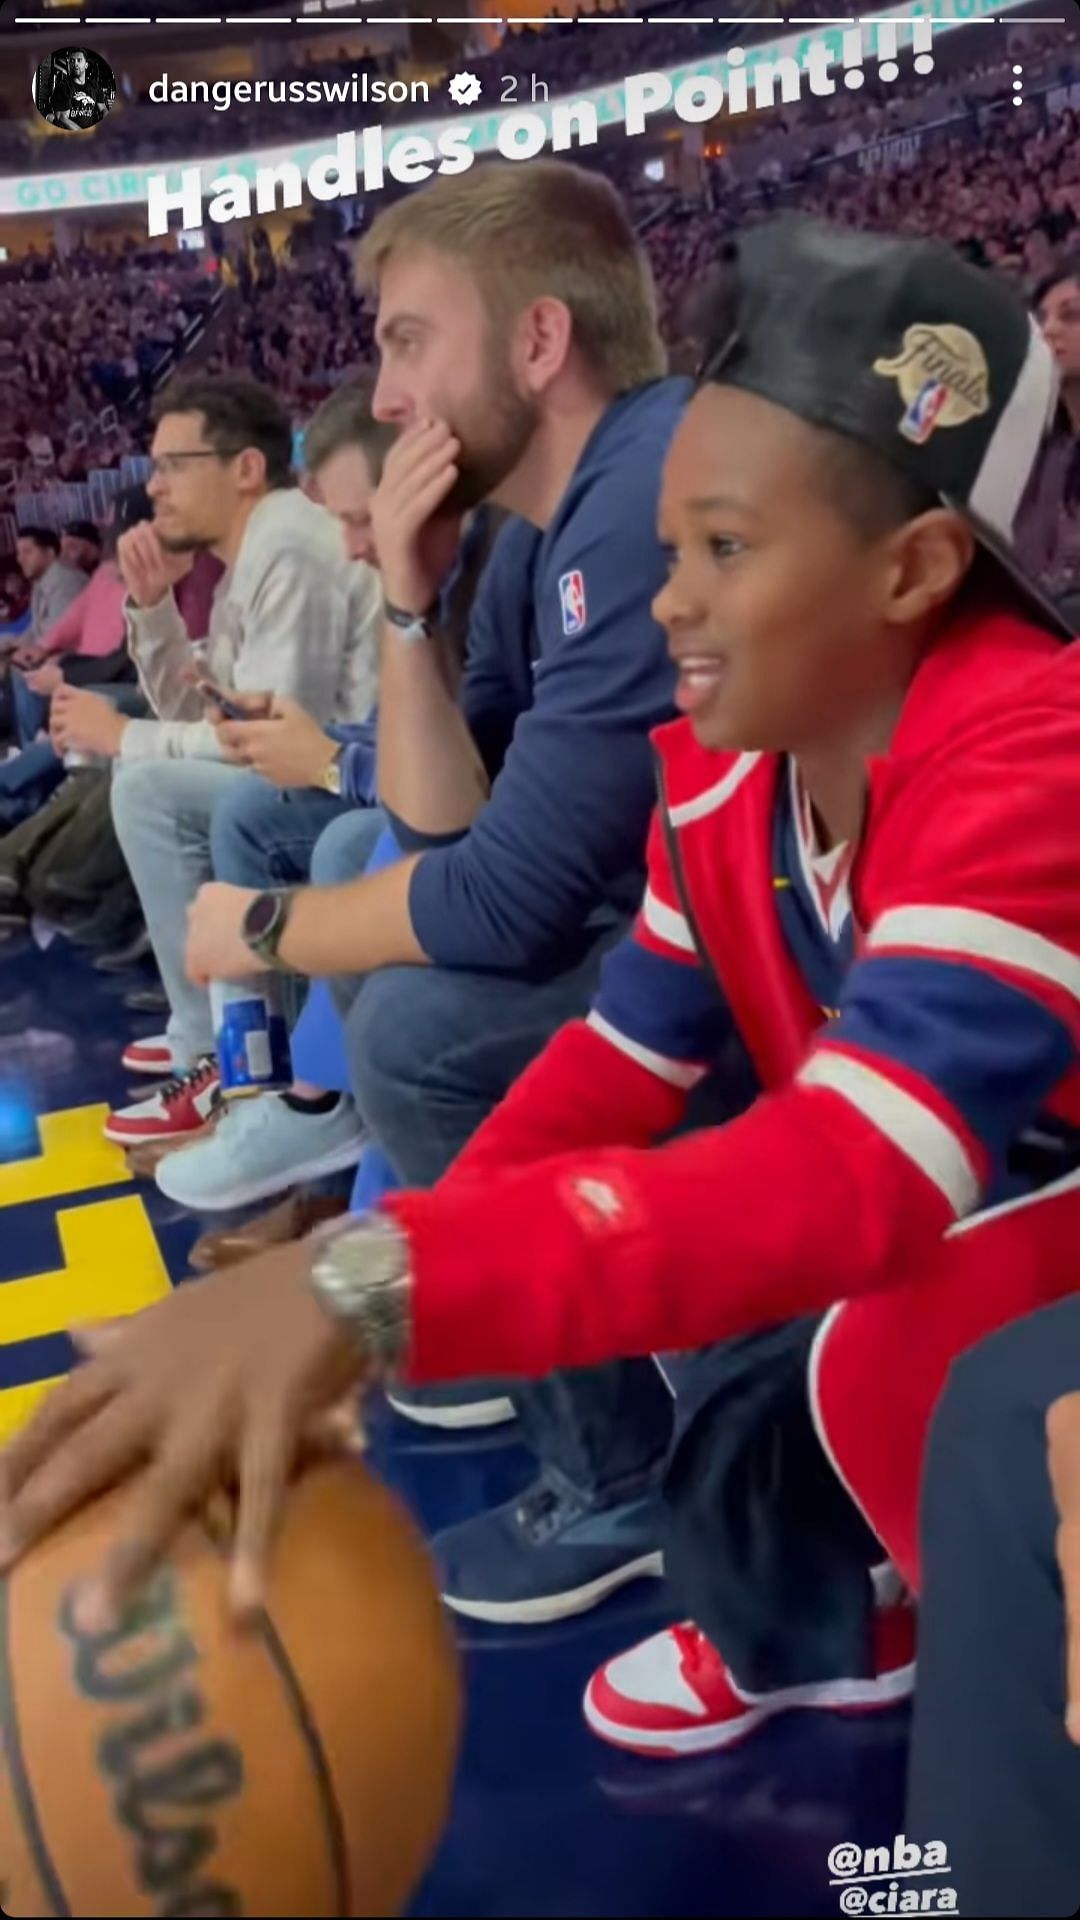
(291, 615)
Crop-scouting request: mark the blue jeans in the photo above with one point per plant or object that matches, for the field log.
(431, 1052)
(170, 816)
(261, 836)
(31, 710)
(763, 1545)
(26, 781)
(252, 850)
(357, 843)
(161, 810)
(344, 851)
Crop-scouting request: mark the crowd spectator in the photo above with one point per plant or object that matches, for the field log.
(80, 546)
(301, 329)
(83, 647)
(53, 584)
(1001, 184)
(14, 604)
(1049, 531)
(521, 799)
(62, 857)
(291, 616)
(95, 336)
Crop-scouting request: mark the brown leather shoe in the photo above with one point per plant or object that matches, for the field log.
(290, 1219)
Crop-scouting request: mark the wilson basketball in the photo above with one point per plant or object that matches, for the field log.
(179, 1766)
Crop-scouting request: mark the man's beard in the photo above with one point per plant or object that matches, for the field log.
(185, 542)
(487, 456)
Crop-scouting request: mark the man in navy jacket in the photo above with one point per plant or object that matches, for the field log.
(521, 801)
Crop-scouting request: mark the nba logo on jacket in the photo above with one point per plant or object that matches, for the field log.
(572, 595)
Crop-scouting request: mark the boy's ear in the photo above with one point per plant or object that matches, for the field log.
(931, 558)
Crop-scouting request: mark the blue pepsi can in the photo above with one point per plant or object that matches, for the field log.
(252, 1037)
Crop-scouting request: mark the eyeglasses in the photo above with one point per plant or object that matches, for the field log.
(172, 463)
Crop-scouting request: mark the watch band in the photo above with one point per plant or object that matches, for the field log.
(264, 944)
(411, 626)
(331, 779)
(360, 1273)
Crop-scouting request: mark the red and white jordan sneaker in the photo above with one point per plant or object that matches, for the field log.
(153, 1056)
(673, 1695)
(179, 1110)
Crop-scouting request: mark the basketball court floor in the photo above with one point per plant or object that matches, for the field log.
(546, 1821)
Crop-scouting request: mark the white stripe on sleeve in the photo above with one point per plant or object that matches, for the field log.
(666, 923)
(677, 1073)
(911, 1126)
(978, 936)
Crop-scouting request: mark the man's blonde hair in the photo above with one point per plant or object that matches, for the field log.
(533, 229)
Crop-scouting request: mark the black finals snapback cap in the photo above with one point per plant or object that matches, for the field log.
(905, 347)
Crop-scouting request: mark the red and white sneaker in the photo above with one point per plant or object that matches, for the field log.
(179, 1110)
(673, 1695)
(153, 1057)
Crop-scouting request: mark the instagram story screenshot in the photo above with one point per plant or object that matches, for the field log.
(539, 845)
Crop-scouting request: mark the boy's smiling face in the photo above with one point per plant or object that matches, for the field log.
(792, 617)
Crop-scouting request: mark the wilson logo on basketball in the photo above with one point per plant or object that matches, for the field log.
(183, 1765)
(167, 1777)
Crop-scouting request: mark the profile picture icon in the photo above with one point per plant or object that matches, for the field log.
(74, 88)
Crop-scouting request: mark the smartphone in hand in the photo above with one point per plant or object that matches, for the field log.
(216, 696)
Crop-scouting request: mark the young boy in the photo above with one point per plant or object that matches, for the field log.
(865, 859)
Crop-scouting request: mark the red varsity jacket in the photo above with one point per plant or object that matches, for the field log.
(564, 1236)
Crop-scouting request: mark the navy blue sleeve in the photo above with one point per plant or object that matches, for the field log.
(496, 682)
(357, 761)
(490, 697)
(566, 824)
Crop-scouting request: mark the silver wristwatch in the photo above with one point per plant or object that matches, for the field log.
(361, 1274)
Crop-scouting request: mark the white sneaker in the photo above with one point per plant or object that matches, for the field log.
(674, 1694)
(181, 1109)
(259, 1148)
(153, 1056)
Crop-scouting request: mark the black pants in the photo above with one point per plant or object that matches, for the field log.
(763, 1547)
(993, 1774)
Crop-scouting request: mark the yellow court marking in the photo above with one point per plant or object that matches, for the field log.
(74, 1157)
(112, 1266)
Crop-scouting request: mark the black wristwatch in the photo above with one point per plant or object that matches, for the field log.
(264, 924)
(411, 626)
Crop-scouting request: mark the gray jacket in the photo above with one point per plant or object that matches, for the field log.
(293, 616)
(51, 596)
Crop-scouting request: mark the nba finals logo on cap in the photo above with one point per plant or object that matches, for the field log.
(572, 595)
(943, 379)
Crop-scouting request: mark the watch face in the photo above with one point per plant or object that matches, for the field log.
(261, 916)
